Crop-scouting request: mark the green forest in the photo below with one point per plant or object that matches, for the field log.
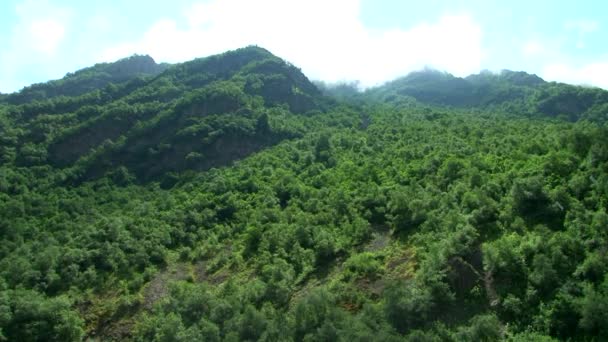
(229, 198)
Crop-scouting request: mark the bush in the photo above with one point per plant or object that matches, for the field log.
(364, 264)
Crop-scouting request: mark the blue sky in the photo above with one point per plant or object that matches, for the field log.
(372, 41)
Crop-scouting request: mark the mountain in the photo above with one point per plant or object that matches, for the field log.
(196, 115)
(229, 198)
(514, 92)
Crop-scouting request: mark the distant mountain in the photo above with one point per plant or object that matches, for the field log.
(516, 78)
(511, 91)
(89, 79)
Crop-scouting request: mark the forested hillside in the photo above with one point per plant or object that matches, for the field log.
(230, 199)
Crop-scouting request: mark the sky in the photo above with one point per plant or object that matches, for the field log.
(370, 41)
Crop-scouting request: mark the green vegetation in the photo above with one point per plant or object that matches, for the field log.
(227, 198)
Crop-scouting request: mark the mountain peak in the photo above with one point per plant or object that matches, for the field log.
(134, 64)
(522, 78)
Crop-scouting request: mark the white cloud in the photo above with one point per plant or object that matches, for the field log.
(34, 42)
(533, 48)
(41, 27)
(99, 23)
(45, 35)
(582, 26)
(594, 74)
(325, 38)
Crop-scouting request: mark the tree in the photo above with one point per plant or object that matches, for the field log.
(405, 211)
(407, 306)
(34, 317)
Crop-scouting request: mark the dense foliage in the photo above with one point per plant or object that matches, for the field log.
(227, 199)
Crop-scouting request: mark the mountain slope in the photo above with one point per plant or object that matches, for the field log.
(227, 199)
(195, 115)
